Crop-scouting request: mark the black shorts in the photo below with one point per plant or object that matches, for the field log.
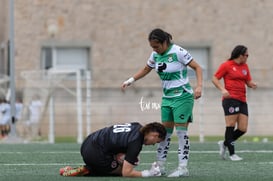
(98, 162)
(233, 106)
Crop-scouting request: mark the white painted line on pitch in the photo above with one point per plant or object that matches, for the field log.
(191, 151)
(210, 151)
(64, 164)
(49, 152)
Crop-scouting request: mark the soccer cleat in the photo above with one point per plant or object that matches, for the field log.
(235, 157)
(222, 148)
(180, 172)
(162, 168)
(78, 171)
(64, 169)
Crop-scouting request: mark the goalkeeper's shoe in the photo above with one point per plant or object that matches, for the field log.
(181, 171)
(64, 169)
(78, 171)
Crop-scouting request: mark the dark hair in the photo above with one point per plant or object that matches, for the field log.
(154, 127)
(160, 36)
(237, 51)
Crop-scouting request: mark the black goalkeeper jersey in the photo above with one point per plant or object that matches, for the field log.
(120, 138)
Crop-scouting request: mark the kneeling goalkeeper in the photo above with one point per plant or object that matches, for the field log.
(100, 149)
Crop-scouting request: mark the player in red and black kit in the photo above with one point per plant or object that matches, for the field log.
(236, 75)
(100, 149)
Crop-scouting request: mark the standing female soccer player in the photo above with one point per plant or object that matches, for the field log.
(236, 75)
(170, 62)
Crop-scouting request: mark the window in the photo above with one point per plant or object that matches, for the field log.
(201, 54)
(65, 57)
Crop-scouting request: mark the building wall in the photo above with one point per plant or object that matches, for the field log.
(118, 33)
(3, 36)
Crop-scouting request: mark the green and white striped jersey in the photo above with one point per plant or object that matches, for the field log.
(172, 70)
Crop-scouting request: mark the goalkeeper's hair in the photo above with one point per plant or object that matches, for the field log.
(154, 127)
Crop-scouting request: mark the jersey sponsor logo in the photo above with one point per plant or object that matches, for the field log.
(181, 49)
(151, 62)
(186, 149)
(187, 56)
(161, 66)
(234, 69)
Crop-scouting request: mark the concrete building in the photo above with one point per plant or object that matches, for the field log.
(3, 37)
(109, 38)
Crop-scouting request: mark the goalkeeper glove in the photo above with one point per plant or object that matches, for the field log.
(153, 172)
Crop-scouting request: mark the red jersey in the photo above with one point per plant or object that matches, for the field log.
(235, 77)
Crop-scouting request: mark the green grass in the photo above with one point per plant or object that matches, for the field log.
(24, 162)
(174, 138)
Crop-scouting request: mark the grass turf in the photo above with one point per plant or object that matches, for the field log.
(24, 162)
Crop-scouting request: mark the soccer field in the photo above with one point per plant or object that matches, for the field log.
(41, 162)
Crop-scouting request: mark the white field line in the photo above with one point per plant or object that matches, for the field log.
(192, 151)
(64, 164)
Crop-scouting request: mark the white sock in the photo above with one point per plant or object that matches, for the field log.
(163, 148)
(184, 147)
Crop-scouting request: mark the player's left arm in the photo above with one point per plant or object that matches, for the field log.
(199, 78)
(249, 81)
(129, 171)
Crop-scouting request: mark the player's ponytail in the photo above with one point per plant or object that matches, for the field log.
(160, 36)
(237, 51)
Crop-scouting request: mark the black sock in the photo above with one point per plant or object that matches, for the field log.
(237, 134)
(229, 140)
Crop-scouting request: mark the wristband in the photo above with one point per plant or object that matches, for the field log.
(129, 81)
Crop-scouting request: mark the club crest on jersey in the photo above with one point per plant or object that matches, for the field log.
(244, 72)
(114, 164)
(170, 59)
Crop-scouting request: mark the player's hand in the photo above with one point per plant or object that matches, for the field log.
(127, 83)
(197, 92)
(153, 172)
(225, 94)
(252, 85)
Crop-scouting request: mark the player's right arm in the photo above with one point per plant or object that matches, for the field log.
(141, 73)
(219, 86)
(129, 171)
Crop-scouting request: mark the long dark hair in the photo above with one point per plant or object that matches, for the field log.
(160, 35)
(237, 51)
(154, 127)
